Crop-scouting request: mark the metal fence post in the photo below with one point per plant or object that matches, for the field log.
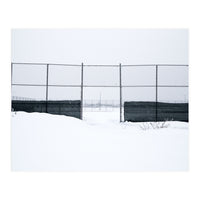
(11, 83)
(120, 90)
(156, 93)
(81, 90)
(11, 72)
(47, 84)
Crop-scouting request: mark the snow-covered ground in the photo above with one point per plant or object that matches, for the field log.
(45, 142)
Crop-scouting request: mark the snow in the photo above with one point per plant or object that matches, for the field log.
(45, 142)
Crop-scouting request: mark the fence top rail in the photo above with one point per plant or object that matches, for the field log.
(57, 64)
(106, 65)
(159, 65)
(101, 65)
(64, 85)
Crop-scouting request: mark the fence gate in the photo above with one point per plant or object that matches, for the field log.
(101, 91)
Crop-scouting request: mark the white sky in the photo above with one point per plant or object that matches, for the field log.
(100, 46)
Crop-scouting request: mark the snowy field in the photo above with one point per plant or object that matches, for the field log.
(45, 142)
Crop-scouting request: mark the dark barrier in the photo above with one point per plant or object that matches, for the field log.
(68, 108)
(139, 111)
(146, 111)
(172, 111)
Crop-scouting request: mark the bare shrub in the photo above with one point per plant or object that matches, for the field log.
(154, 125)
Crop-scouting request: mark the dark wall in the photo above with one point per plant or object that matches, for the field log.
(146, 111)
(172, 111)
(68, 108)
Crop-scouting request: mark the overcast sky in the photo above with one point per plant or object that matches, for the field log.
(100, 46)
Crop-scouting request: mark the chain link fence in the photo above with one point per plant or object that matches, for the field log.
(141, 92)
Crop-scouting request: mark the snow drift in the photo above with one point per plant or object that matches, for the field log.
(45, 142)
